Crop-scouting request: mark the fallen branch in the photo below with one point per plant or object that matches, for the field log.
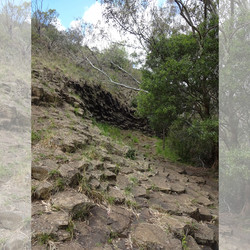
(110, 79)
(123, 70)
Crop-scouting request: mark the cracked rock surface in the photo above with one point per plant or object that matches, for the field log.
(86, 194)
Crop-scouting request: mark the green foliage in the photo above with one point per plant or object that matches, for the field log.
(110, 131)
(134, 180)
(131, 154)
(71, 229)
(128, 190)
(182, 81)
(196, 144)
(184, 242)
(117, 57)
(44, 238)
(60, 184)
(54, 173)
(36, 136)
(111, 200)
(131, 204)
(168, 152)
(76, 111)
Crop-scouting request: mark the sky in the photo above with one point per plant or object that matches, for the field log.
(90, 11)
(68, 10)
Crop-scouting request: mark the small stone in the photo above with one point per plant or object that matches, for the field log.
(70, 174)
(203, 234)
(117, 194)
(150, 234)
(205, 215)
(204, 201)
(39, 172)
(191, 243)
(69, 200)
(43, 190)
(178, 188)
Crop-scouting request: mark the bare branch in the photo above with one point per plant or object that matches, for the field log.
(110, 79)
(126, 72)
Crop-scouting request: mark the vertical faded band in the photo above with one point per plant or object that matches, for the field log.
(234, 124)
(15, 116)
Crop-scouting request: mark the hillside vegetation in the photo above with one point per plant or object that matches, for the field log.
(111, 164)
(179, 81)
(96, 186)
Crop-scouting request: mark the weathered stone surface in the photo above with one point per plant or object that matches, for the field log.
(39, 172)
(198, 180)
(119, 220)
(98, 165)
(191, 243)
(111, 167)
(42, 96)
(203, 234)
(175, 244)
(70, 245)
(94, 183)
(122, 181)
(132, 204)
(204, 201)
(91, 237)
(142, 166)
(204, 214)
(19, 241)
(50, 222)
(160, 183)
(178, 188)
(96, 174)
(117, 194)
(148, 234)
(108, 175)
(68, 200)
(43, 191)
(176, 224)
(70, 143)
(71, 175)
(139, 191)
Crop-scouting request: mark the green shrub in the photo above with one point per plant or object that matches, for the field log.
(168, 152)
(36, 136)
(196, 144)
(109, 131)
(131, 154)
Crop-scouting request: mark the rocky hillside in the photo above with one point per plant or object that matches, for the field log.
(91, 191)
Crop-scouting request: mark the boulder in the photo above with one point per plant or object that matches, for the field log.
(203, 234)
(117, 194)
(150, 235)
(192, 244)
(43, 190)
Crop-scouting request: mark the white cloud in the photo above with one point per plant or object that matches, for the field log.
(93, 14)
(58, 24)
(101, 35)
(75, 24)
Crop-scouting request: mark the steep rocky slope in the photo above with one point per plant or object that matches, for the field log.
(91, 192)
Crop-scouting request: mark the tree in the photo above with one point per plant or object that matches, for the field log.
(42, 18)
(182, 83)
(181, 71)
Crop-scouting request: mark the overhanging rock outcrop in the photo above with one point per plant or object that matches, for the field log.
(54, 88)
